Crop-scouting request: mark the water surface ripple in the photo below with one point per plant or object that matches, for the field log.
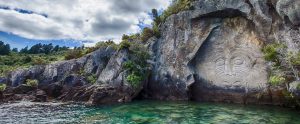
(145, 112)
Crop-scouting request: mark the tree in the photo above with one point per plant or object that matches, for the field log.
(4, 48)
(125, 37)
(154, 13)
(55, 49)
(15, 50)
(47, 48)
(24, 50)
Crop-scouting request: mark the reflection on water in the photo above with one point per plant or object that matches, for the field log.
(146, 112)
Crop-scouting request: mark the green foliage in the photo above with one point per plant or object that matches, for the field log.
(14, 61)
(102, 44)
(276, 80)
(73, 54)
(146, 34)
(129, 65)
(2, 87)
(136, 66)
(39, 61)
(124, 44)
(43, 48)
(92, 78)
(271, 52)
(176, 7)
(4, 48)
(32, 82)
(294, 58)
(134, 79)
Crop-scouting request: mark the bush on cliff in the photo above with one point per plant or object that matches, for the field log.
(73, 54)
(32, 82)
(276, 80)
(134, 79)
(92, 78)
(136, 66)
(124, 44)
(146, 34)
(294, 58)
(2, 87)
(272, 52)
(176, 7)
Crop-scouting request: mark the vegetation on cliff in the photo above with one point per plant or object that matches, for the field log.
(137, 66)
(2, 87)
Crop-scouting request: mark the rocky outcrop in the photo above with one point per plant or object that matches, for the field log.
(67, 80)
(213, 53)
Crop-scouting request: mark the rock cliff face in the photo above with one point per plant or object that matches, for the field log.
(211, 53)
(67, 80)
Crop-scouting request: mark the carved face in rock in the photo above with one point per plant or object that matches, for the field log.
(230, 68)
(231, 60)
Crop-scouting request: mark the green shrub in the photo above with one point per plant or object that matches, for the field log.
(136, 66)
(270, 52)
(134, 80)
(39, 61)
(32, 82)
(295, 59)
(92, 78)
(27, 59)
(276, 80)
(129, 65)
(156, 31)
(124, 44)
(73, 54)
(176, 7)
(146, 34)
(2, 87)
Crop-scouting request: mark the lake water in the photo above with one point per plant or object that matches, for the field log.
(146, 112)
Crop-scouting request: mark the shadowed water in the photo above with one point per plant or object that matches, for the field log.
(146, 112)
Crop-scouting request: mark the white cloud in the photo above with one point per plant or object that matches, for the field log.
(76, 19)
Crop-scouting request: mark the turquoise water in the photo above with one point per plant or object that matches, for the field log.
(146, 112)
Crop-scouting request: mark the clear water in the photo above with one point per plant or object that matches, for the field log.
(146, 112)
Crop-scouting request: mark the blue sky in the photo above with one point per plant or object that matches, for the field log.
(20, 42)
(73, 22)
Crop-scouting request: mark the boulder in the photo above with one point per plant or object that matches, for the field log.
(40, 96)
